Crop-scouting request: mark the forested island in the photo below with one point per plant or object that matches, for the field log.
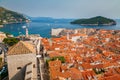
(8, 16)
(95, 21)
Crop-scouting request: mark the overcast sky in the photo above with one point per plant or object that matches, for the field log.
(65, 8)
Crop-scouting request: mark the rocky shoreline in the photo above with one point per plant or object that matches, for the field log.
(110, 24)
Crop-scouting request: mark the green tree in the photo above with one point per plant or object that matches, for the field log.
(61, 58)
(10, 41)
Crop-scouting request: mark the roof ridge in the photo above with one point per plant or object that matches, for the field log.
(21, 48)
(12, 47)
(26, 45)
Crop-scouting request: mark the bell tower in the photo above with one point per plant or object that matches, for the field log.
(68, 36)
(26, 32)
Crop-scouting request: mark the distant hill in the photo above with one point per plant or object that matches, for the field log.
(50, 20)
(8, 16)
(95, 21)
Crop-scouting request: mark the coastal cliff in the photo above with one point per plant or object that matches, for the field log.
(8, 16)
(95, 21)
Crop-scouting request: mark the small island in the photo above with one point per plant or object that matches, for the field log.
(8, 17)
(95, 21)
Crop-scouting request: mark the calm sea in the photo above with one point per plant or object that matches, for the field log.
(44, 28)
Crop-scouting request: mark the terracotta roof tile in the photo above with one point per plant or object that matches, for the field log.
(21, 48)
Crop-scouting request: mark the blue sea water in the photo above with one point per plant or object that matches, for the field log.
(44, 28)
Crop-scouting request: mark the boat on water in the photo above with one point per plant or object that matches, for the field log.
(1, 25)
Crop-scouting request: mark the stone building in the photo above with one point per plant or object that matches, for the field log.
(2, 36)
(55, 32)
(22, 63)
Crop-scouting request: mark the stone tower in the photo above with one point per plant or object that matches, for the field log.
(68, 36)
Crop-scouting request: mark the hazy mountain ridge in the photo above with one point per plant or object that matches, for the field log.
(50, 20)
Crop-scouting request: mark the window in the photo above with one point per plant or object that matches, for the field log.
(33, 65)
(19, 68)
(29, 72)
